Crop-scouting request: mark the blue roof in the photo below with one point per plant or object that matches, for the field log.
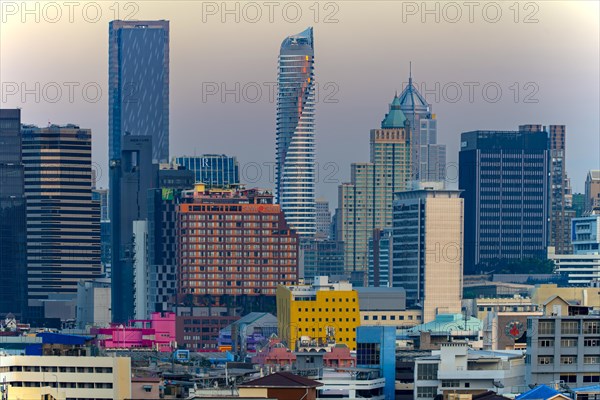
(593, 388)
(59, 338)
(541, 392)
(445, 323)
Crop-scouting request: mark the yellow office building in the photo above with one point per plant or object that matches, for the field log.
(318, 314)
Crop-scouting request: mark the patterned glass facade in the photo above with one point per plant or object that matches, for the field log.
(139, 84)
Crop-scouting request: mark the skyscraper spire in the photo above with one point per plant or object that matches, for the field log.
(410, 73)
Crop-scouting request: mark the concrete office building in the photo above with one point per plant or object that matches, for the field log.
(295, 153)
(365, 203)
(592, 191)
(380, 258)
(93, 303)
(456, 368)
(583, 266)
(101, 195)
(134, 174)
(323, 219)
(560, 206)
(504, 179)
(66, 377)
(563, 345)
(13, 236)
(428, 249)
(162, 236)
(212, 170)
(63, 246)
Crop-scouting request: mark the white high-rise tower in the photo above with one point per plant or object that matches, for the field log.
(295, 169)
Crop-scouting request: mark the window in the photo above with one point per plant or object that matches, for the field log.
(568, 359)
(368, 353)
(569, 342)
(591, 327)
(591, 342)
(569, 378)
(544, 360)
(569, 327)
(426, 392)
(546, 342)
(591, 360)
(546, 327)
(427, 372)
(451, 383)
(591, 378)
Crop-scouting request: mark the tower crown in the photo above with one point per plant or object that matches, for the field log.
(395, 118)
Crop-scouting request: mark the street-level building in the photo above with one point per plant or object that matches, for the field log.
(564, 345)
(456, 368)
(67, 377)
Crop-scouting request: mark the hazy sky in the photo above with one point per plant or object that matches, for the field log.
(543, 56)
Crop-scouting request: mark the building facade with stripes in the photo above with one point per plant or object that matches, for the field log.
(63, 222)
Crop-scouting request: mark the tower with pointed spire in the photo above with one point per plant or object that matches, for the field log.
(365, 203)
(428, 157)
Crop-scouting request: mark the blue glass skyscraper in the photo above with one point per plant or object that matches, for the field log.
(295, 159)
(139, 84)
(138, 138)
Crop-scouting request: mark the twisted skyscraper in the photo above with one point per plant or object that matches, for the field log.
(295, 170)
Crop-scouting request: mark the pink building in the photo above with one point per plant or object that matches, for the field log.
(338, 357)
(274, 353)
(156, 333)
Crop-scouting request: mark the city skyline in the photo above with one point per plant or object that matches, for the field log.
(300, 200)
(194, 119)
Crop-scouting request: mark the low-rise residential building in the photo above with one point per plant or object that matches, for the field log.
(563, 345)
(66, 377)
(281, 386)
(247, 333)
(456, 368)
(584, 295)
(480, 307)
(506, 330)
